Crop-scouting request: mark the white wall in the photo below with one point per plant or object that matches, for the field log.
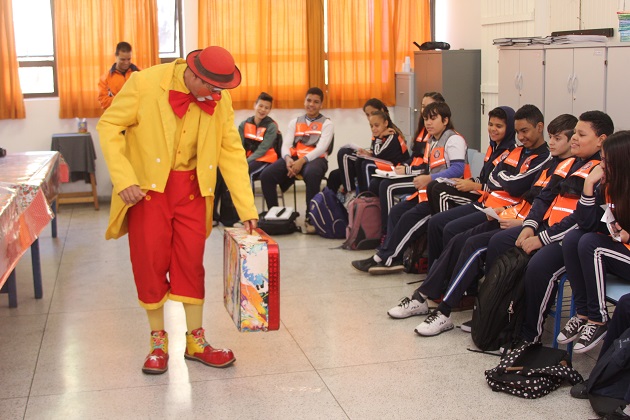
(458, 23)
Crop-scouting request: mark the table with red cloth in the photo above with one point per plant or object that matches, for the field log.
(29, 184)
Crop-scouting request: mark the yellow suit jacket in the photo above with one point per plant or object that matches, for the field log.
(137, 135)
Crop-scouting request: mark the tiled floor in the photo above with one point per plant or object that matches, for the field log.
(76, 353)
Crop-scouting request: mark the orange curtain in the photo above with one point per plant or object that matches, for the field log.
(412, 22)
(86, 34)
(269, 42)
(367, 42)
(315, 36)
(11, 99)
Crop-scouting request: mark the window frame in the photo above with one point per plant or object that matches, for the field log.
(29, 62)
(180, 32)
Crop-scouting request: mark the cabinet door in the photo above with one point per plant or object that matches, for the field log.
(403, 118)
(617, 87)
(405, 90)
(435, 78)
(589, 83)
(558, 82)
(532, 78)
(509, 78)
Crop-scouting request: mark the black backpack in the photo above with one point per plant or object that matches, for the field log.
(278, 226)
(609, 383)
(498, 310)
(414, 260)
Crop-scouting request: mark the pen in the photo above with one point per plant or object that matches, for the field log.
(282, 210)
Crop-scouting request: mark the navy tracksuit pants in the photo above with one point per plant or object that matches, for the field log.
(276, 174)
(386, 189)
(445, 225)
(588, 257)
(406, 222)
(459, 267)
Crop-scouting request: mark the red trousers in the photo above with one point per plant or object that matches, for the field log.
(167, 235)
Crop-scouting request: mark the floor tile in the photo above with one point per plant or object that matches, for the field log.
(13, 408)
(446, 387)
(283, 396)
(100, 350)
(20, 341)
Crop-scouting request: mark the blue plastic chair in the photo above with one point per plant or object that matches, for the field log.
(557, 314)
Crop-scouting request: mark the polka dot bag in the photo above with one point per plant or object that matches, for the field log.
(532, 371)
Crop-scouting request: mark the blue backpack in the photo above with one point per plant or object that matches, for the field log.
(328, 215)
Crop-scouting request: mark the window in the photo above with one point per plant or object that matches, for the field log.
(170, 29)
(35, 48)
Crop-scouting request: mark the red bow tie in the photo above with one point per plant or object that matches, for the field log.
(179, 102)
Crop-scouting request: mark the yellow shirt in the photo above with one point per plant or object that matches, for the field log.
(185, 150)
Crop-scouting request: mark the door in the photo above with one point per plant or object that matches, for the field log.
(509, 78)
(589, 80)
(532, 78)
(558, 82)
(617, 87)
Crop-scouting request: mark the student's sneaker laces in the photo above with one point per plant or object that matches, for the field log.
(404, 302)
(588, 331)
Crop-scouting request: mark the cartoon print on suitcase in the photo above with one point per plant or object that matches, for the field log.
(251, 279)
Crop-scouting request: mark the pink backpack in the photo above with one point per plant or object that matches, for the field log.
(364, 226)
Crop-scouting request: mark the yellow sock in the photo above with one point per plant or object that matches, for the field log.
(194, 316)
(156, 318)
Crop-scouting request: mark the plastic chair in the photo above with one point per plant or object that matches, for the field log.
(557, 314)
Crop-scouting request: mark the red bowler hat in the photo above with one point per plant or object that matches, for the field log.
(215, 65)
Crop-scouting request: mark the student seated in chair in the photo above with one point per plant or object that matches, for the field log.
(305, 149)
(342, 180)
(387, 188)
(446, 158)
(385, 145)
(547, 229)
(258, 134)
(595, 248)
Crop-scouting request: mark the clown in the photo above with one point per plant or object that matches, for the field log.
(164, 137)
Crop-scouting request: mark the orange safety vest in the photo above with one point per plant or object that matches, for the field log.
(502, 198)
(251, 132)
(521, 210)
(562, 206)
(422, 138)
(307, 136)
(437, 162)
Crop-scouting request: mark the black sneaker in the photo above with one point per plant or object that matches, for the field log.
(466, 326)
(579, 391)
(381, 268)
(572, 330)
(364, 265)
(592, 334)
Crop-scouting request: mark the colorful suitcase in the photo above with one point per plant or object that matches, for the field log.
(251, 279)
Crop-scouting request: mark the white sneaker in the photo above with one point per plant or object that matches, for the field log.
(435, 324)
(409, 307)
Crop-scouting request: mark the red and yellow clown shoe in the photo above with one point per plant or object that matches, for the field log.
(197, 348)
(157, 360)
